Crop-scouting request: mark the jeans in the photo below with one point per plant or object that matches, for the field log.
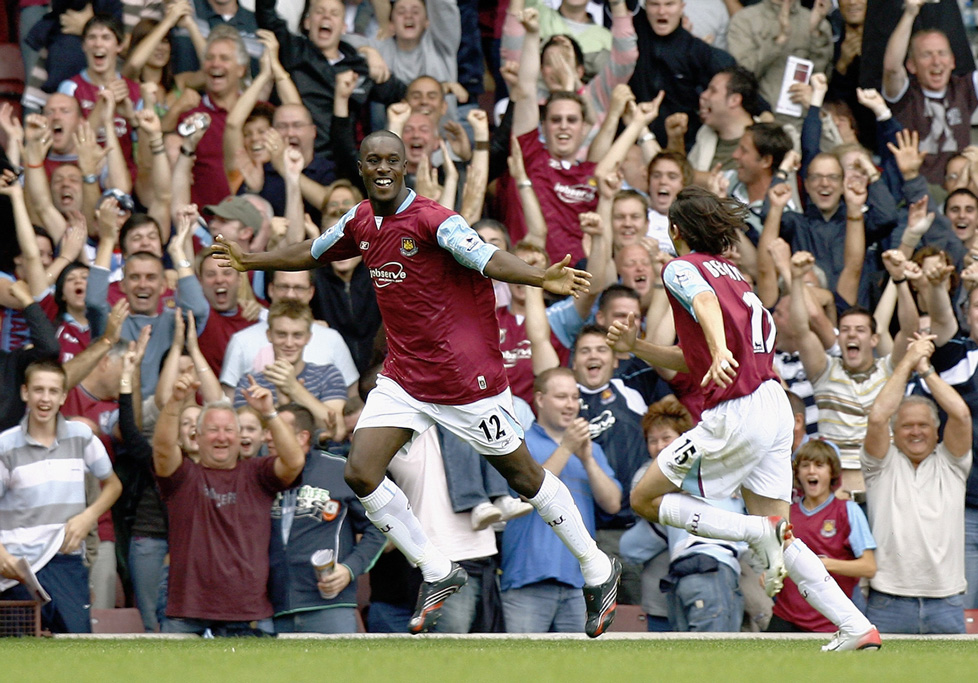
(971, 556)
(459, 610)
(895, 614)
(102, 576)
(219, 629)
(385, 617)
(547, 606)
(657, 624)
(146, 555)
(630, 588)
(65, 578)
(331, 620)
(710, 601)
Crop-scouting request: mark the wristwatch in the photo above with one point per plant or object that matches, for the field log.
(183, 264)
(90, 179)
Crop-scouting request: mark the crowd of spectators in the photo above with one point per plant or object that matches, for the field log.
(179, 428)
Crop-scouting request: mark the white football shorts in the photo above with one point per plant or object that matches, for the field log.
(489, 425)
(745, 442)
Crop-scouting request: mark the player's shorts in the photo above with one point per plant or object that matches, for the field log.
(488, 425)
(745, 442)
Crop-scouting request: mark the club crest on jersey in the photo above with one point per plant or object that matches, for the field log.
(607, 396)
(408, 246)
(828, 528)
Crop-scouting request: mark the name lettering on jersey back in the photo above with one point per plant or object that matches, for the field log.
(388, 274)
(721, 269)
(575, 194)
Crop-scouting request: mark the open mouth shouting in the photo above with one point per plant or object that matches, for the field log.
(324, 33)
(100, 59)
(218, 79)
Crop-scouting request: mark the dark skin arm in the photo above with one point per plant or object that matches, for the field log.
(292, 257)
(558, 278)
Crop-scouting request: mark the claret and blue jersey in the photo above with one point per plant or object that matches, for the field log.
(426, 264)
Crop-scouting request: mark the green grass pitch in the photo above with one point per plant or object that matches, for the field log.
(429, 660)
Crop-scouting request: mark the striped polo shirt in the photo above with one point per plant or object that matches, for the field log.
(42, 487)
(844, 399)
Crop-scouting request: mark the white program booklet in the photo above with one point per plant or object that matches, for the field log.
(29, 579)
(796, 70)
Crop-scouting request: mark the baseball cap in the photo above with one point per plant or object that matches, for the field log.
(237, 209)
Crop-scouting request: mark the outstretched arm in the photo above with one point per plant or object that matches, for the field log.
(166, 452)
(809, 346)
(536, 224)
(957, 431)
(233, 139)
(877, 440)
(30, 253)
(81, 365)
(37, 142)
(557, 279)
(854, 250)
(477, 174)
(143, 50)
(526, 113)
(894, 71)
(290, 458)
(292, 257)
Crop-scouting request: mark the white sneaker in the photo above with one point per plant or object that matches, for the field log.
(485, 515)
(869, 640)
(770, 552)
(512, 507)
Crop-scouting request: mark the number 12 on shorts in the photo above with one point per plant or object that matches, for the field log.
(492, 427)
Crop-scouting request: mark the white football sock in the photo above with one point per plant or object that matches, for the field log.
(820, 589)
(388, 508)
(702, 519)
(556, 505)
